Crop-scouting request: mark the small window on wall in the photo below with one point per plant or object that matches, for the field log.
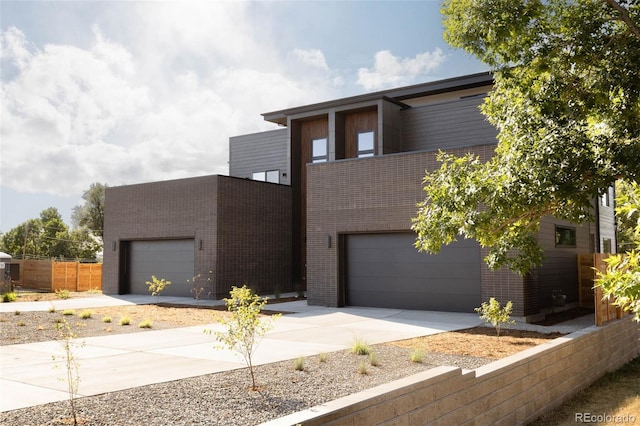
(606, 245)
(272, 176)
(365, 144)
(604, 200)
(565, 236)
(319, 150)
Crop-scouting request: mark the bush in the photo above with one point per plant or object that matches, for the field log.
(495, 315)
(125, 321)
(86, 314)
(68, 312)
(374, 360)
(157, 285)
(362, 369)
(145, 324)
(63, 293)
(322, 357)
(360, 347)
(10, 296)
(106, 319)
(417, 356)
(298, 364)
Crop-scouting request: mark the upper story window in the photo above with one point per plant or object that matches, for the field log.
(272, 176)
(604, 199)
(565, 236)
(319, 150)
(365, 144)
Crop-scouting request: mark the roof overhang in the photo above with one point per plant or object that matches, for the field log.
(391, 95)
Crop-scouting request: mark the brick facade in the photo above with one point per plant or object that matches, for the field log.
(242, 229)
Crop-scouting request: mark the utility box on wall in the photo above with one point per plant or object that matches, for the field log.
(5, 272)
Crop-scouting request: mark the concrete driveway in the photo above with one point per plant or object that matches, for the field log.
(28, 374)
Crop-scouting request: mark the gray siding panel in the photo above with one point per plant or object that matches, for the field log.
(447, 125)
(385, 270)
(259, 152)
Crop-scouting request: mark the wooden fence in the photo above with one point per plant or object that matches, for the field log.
(590, 296)
(52, 276)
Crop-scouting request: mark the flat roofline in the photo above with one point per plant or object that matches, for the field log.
(396, 95)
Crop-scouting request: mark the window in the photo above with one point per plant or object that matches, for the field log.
(272, 176)
(319, 150)
(565, 236)
(606, 245)
(365, 144)
(604, 200)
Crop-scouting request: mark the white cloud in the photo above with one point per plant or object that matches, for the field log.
(312, 57)
(155, 105)
(389, 70)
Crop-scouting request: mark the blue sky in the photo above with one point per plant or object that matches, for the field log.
(130, 92)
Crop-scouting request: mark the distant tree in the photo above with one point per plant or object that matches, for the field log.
(628, 218)
(48, 236)
(91, 213)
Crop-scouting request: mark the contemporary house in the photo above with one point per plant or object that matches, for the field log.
(336, 184)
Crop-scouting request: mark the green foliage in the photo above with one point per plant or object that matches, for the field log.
(298, 364)
(52, 309)
(48, 236)
(494, 314)
(157, 285)
(106, 319)
(197, 287)
(628, 214)
(362, 368)
(86, 314)
(145, 324)
(63, 293)
(244, 327)
(68, 312)
(417, 356)
(125, 321)
(9, 296)
(566, 103)
(322, 357)
(621, 280)
(90, 215)
(374, 360)
(360, 347)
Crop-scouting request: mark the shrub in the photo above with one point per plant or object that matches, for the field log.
(417, 356)
(322, 357)
(495, 315)
(125, 321)
(106, 319)
(21, 324)
(63, 293)
(362, 369)
(52, 310)
(10, 296)
(86, 314)
(157, 285)
(360, 347)
(298, 364)
(244, 327)
(68, 312)
(374, 360)
(16, 312)
(145, 324)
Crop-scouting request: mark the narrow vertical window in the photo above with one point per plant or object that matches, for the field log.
(365, 144)
(319, 150)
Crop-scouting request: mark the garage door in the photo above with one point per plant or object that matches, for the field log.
(385, 270)
(170, 259)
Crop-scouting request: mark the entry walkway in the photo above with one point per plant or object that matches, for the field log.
(109, 363)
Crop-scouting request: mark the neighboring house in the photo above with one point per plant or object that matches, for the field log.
(353, 169)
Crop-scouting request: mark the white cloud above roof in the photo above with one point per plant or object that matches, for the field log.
(390, 71)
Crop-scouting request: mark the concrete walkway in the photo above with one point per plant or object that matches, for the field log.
(28, 374)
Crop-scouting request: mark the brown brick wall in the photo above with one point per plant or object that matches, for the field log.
(224, 213)
(377, 194)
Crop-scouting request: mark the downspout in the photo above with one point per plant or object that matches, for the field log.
(597, 247)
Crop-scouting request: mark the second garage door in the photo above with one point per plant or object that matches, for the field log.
(385, 270)
(170, 259)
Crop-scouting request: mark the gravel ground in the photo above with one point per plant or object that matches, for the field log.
(227, 399)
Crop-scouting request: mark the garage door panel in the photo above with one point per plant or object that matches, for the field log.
(385, 270)
(169, 259)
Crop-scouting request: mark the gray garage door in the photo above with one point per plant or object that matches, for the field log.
(170, 259)
(385, 270)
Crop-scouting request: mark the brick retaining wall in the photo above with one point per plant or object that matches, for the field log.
(513, 390)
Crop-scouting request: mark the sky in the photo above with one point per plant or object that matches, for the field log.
(125, 92)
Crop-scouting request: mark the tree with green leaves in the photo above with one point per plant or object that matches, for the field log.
(48, 236)
(566, 103)
(91, 213)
